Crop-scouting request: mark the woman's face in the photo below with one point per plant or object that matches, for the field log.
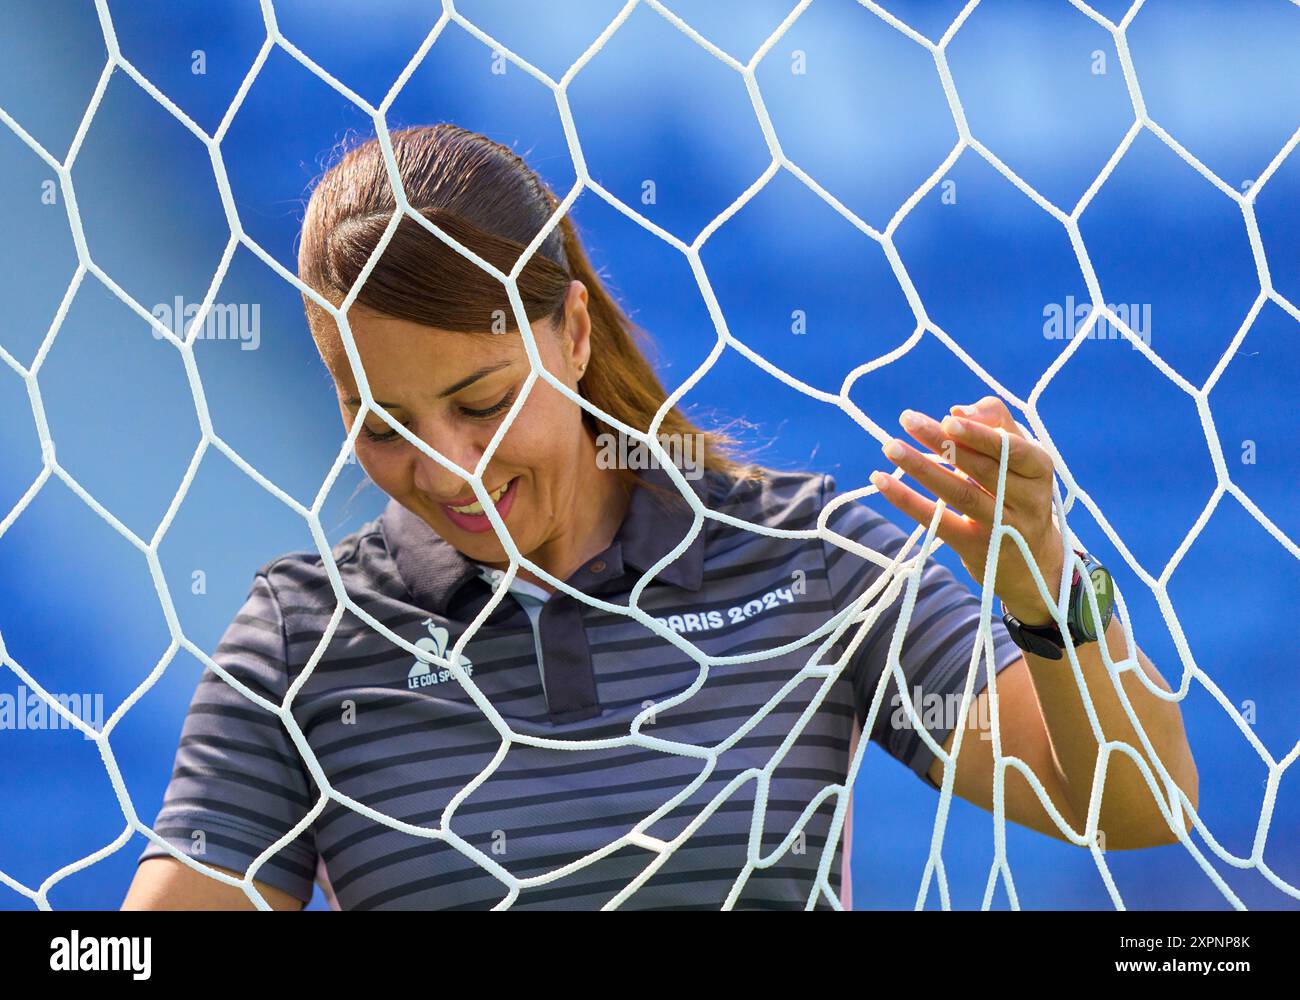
(452, 390)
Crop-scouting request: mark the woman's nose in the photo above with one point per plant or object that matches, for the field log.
(440, 483)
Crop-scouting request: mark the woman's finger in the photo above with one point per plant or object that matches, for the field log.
(956, 490)
(1024, 457)
(950, 442)
(989, 410)
(955, 530)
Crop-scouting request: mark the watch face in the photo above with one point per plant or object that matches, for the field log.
(1101, 583)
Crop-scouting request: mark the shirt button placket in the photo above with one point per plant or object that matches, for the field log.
(566, 661)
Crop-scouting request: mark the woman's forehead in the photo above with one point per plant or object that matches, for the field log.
(427, 360)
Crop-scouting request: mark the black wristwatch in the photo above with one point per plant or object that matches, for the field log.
(1046, 640)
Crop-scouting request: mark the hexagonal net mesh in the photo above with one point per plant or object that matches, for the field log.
(901, 575)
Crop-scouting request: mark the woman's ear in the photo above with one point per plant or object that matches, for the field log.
(577, 325)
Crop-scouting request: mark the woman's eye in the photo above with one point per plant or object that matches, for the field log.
(379, 437)
(388, 435)
(492, 410)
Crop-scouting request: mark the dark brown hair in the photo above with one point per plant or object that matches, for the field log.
(489, 200)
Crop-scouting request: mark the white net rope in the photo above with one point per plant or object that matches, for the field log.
(855, 621)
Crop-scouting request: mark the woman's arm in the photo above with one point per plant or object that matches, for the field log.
(1041, 721)
(237, 780)
(168, 884)
(1046, 718)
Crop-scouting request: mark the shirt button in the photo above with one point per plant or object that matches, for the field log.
(598, 566)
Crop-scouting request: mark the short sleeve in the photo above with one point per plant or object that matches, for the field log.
(935, 655)
(238, 784)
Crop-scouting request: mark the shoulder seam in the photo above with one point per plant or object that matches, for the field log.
(354, 547)
(286, 670)
(821, 544)
(284, 634)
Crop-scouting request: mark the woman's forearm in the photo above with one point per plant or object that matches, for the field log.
(1129, 815)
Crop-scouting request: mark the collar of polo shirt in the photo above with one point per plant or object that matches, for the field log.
(433, 569)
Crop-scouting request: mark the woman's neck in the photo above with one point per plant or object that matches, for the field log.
(595, 512)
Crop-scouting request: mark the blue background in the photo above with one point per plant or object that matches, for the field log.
(869, 121)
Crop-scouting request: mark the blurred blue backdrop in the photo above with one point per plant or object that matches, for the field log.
(1042, 87)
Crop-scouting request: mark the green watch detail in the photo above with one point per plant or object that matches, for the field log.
(1046, 640)
(1101, 583)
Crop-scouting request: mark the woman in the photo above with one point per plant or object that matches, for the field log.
(543, 826)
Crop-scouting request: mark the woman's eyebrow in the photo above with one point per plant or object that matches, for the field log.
(451, 390)
(469, 380)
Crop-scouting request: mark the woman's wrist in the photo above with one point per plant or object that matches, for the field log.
(1031, 609)
(1033, 617)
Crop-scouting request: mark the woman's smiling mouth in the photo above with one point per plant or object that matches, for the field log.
(472, 517)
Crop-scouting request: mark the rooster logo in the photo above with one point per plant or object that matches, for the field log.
(423, 672)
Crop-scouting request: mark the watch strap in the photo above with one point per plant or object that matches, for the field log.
(1045, 640)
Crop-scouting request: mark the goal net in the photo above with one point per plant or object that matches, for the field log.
(846, 630)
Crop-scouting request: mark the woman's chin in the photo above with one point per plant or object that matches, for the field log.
(484, 547)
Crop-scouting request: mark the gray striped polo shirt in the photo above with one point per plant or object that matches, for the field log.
(402, 736)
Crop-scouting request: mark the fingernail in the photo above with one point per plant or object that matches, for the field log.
(894, 449)
(909, 419)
